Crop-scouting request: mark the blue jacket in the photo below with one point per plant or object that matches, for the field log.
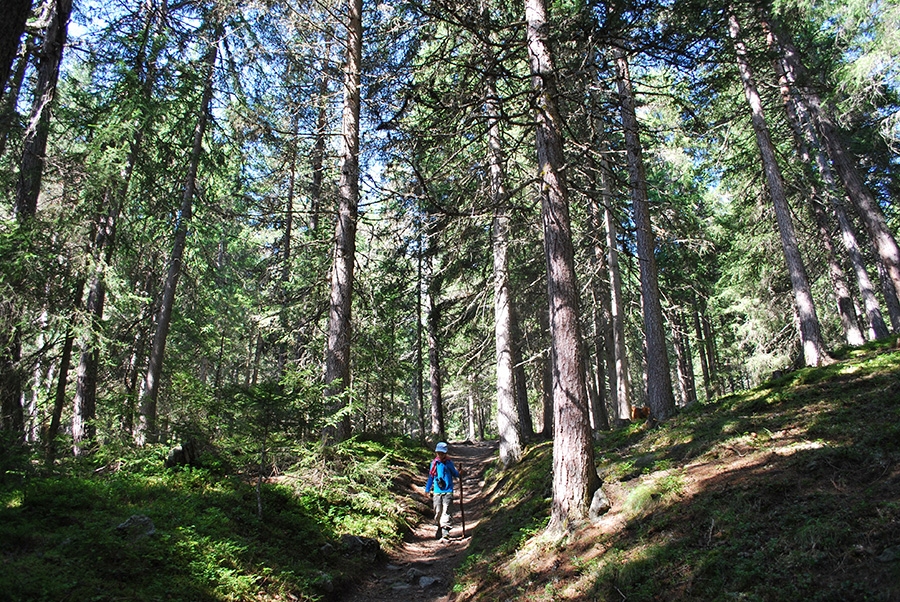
(444, 470)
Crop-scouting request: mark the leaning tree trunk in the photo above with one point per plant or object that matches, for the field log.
(337, 352)
(146, 431)
(862, 198)
(575, 478)
(85, 401)
(809, 144)
(660, 397)
(799, 110)
(810, 332)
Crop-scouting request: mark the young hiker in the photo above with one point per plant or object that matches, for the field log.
(440, 484)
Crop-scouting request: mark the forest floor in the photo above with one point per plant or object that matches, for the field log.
(422, 568)
(790, 491)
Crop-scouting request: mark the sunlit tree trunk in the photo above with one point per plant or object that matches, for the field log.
(809, 145)
(337, 352)
(433, 331)
(600, 318)
(575, 478)
(810, 334)
(619, 375)
(317, 158)
(859, 194)
(660, 396)
(701, 349)
(685, 364)
(507, 409)
(803, 121)
(146, 431)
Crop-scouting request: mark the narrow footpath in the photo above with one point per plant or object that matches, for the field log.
(421, 570)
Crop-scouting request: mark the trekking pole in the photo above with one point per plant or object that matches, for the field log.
(462, 510)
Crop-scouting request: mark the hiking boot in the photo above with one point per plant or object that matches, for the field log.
(445, 534)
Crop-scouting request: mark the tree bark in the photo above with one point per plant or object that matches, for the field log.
(844, 164)
(789, 69)
(8, 112)
(808, 144)
(337, 353)
(28, 187)
(619, 373)
(810, 334)
(146, 431)
(12, 26)
(685, 364)
(575, 477)
(317, 158)
(660, 396)
(508, 423)
(433, 318)
(35, 145)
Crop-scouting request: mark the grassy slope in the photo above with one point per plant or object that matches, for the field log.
(790, 491)
(59, 541)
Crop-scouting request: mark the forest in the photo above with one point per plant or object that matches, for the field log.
(237, 226)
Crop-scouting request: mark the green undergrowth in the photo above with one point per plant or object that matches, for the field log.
(59, 537)
(789, 491)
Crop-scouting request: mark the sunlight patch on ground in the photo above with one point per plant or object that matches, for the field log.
(792, 448)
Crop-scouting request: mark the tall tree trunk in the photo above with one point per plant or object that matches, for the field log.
(8, 113)
(35, 145)
(685, 364)
(507, 409)
(317, 158)
(808, 144)
(62, 379)
(701, 351)
(337, 353)
(433, 328)
(660, 397)
(85, 401)
(619, 369)
(28, 187)
(712, 354)
(146, 431)
(810, 333)
(286, 248)
(526, 425)
(420, 364)
(862, 198)
(805, 131)
(600, 317)
(575, 478)
(12, 26)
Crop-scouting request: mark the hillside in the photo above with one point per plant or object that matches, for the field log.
(790, 491)
(787, 492)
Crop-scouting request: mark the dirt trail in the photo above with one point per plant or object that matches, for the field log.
(421, 570)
